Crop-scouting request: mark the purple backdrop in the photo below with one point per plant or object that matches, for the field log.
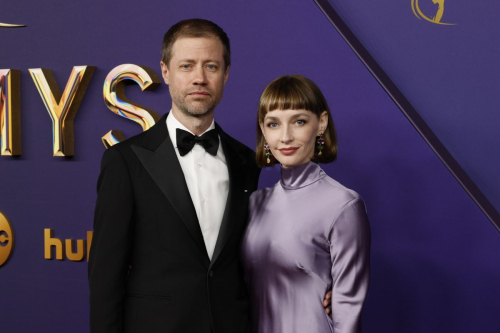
(434, 255)
(450, 74)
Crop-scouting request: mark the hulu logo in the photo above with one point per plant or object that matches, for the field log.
(73, 250)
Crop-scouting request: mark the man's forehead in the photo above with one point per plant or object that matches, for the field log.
(191, 43)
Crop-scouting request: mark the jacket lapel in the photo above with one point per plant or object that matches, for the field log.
(235, 196)
(158, 157)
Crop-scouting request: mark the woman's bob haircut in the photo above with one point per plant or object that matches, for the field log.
(295, 92)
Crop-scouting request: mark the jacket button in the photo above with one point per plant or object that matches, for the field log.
(211, 273)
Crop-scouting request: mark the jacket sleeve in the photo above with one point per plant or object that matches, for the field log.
(111, 244)
(350, 255)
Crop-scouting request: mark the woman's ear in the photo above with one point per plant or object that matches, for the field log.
(323, 122)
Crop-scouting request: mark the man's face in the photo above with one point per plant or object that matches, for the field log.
(196, 75)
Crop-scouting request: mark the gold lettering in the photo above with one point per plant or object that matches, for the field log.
(69, 244)
(80, 252)
(62, 108)
(90, 234)
(10, 112)
(117, 102)
(49, 242)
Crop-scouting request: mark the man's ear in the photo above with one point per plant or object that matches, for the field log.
(226, 74)
(164, 71)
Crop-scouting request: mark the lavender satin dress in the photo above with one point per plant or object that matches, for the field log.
(306, 234)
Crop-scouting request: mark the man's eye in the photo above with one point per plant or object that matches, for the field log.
(212, 67)
(186, 66)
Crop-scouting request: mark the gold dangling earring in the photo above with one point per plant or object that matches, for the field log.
(267, 153)
(321, 143)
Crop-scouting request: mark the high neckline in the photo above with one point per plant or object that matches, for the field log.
(300, 176)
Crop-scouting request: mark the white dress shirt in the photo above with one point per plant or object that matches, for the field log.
(207, 180)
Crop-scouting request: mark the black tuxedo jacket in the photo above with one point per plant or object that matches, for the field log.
(149, 270)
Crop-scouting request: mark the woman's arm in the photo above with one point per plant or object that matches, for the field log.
(350, 255)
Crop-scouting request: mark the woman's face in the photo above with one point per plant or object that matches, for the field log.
(291, 134)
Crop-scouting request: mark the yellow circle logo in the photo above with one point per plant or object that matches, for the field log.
(6, 239)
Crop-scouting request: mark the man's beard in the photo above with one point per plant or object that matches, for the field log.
(195, 107)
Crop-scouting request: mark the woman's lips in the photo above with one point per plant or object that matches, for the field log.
(288, 151)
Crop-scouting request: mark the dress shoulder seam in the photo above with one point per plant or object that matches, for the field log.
(340, 213)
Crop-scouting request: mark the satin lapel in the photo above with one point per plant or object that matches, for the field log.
(234, 198)
(163, 166)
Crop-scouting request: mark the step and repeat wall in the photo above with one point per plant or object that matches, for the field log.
(434, 254)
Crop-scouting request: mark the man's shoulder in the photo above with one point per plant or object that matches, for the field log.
(131, 141)
(235, 144)
(122, 150)
(155, 135)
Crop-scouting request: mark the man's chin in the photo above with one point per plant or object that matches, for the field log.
(198, 112)
(196, 109)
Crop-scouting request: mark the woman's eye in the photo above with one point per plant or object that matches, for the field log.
(272, 124)
(301, 122)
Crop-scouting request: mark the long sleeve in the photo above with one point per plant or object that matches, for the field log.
(111, 244)
(350, 255)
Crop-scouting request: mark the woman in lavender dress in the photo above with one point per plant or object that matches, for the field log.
(308, 233)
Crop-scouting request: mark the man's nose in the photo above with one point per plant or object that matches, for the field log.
(200, 76)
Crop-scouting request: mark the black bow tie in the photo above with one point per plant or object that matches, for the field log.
(208, 140)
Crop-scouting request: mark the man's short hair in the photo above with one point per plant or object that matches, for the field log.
(194, 28)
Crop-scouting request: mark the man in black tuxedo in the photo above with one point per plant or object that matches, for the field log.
(172, 206)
